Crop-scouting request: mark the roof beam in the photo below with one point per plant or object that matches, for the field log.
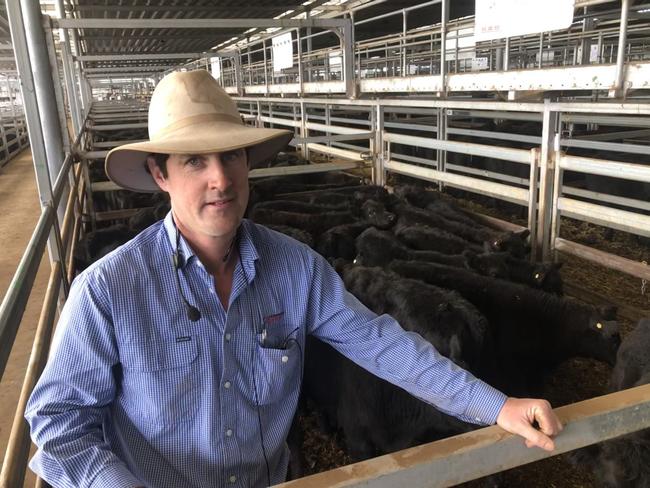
(136, 57)
(194, 23)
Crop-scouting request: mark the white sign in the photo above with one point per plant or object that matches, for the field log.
(479, 63)
(496, 19)
(594, 54)
(282, 52)
(215, 67)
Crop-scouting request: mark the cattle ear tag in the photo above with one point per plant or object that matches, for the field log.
(536, 276)
(599, 325)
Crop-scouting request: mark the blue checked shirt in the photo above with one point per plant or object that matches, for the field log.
(136, 394)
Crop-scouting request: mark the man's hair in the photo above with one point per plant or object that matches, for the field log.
(161, 162)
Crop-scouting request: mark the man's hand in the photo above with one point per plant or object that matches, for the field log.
(518, 415)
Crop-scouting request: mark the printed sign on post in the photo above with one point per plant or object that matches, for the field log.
(282, 52)
(215, 67)
(496, 19)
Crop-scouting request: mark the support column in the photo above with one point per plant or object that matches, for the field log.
(443, 47)
(441, 155)
(550, 128)
(379, 173)
(619, 88)
(347, 49)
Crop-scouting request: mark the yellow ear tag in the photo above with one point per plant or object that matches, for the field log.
(599, 325)
(536, 276)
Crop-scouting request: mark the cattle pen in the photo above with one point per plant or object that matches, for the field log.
(544, 129)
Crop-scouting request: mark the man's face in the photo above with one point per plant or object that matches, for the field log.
(208, 192)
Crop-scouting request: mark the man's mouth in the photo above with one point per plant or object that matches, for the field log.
(220, 203)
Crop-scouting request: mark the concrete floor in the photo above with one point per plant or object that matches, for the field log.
(19, 212)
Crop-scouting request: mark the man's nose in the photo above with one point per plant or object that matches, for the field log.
(219, 177)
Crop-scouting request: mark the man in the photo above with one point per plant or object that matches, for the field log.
(177, 359)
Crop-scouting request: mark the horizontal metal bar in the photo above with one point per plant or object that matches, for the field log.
(93, 154)
(142, 125)
(495, 135)
(333, 151)
(605, 146)
(303, 169)
(612, 136)
(618, 263)
(15, 299)
(508, 154)
(336, 129)
(341, 137)
(498, 190)
(609, 217)
(604, 167)
(490, 450)
(87, 23)
(104, 186)
(112, 144)
(604, 197)
(135, 57)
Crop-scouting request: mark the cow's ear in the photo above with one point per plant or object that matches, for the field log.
(523, 234)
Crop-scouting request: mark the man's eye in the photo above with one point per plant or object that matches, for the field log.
(231, 156)
(192, 162)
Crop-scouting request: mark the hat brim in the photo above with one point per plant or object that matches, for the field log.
(126, 165)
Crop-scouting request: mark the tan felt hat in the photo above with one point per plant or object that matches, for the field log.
(190, 113)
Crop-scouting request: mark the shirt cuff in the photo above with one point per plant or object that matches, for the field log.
(485, 404)
(115, 475)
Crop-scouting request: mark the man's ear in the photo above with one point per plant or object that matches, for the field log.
(156, 174)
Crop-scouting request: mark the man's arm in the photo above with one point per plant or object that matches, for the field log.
(69, 404)
(381, 346)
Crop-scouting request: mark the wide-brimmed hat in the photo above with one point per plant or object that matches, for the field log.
(190, 113)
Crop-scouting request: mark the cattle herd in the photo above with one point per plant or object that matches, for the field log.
(467, 288)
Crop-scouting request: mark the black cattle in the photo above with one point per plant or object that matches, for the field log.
(442, 317)
(148, 216)
(371, 211)
(303, 207)
(339, 241)
(297, 234)
(376, 416)
(624, 462)
(99, 243)
(427, 238)
(513, 242)
(378, 248)
(534, 331)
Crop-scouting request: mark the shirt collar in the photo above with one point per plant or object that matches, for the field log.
(247, 250)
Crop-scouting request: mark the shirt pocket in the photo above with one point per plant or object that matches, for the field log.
(277, 372)
(160, 381)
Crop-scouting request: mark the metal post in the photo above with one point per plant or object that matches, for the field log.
(266, 68)
(300, 74)
(379, 173)
(31, 100)
(506, 55)
(238, 75)
(304, 132)
(550, 121)
(68, 77)
(619, 87)
(541, 50)
(441, 155)
(532, 201)
(308, 31)
(585, 42)
(347, 48)
(402, 43)
(443, 47)
(58, 93)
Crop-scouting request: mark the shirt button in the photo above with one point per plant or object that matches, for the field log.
(226, 384)
(228, 337)
(285, 359)
(229, 432)
(232, 478)
(477, 419)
